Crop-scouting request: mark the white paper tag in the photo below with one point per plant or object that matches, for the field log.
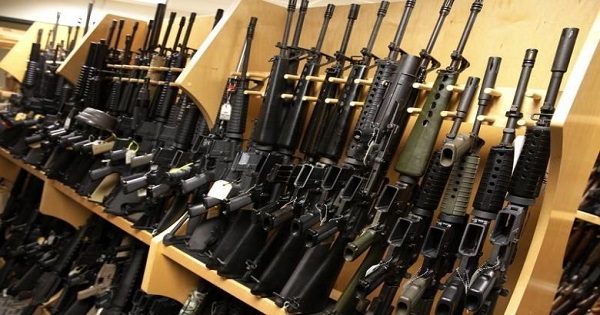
(142, 192)
(225, 113)
(67, 123)
(129, 156)
(100, 146)
(220, 189)
(518, 144)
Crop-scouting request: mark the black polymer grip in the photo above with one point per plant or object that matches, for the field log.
(361, 135)
(433, 184)
(530, 171)
(495, 180)
(418, 147)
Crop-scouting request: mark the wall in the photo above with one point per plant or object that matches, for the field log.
(73, 11)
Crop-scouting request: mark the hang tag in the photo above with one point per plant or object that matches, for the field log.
(142, 192)
(129, 156)
(67, 123)
(20, 116)
(518, 144)
(99, 147)
(220, 189)
(225, 113)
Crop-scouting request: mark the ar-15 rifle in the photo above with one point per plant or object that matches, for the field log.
(174, 148)
(441, 241)
(386, 137)
(488, 281)
(245, 235)
(488, 200)
(49, 281)
(291, 258)
(221, 145)
(246, 181)
(579, 285)
(280, 253)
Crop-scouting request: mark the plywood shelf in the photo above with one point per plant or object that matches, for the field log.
(582, 215)
(198, 268)
(122, 223)
(78, 207)
(20, 164)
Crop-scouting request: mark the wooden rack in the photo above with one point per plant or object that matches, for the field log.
(505, 28)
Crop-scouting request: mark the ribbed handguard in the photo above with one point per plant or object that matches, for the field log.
(364, 127)
(495, 180)
(416, 152)
(433, 184)
(239, 109)
(186, 128)
(531, 168)
(456, 199)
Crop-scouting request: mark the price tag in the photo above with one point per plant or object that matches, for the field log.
(100, 147)
(67, 123)
(129, 156)
(518, 144)
(20, 116)
(220, 189)
(225, 113)
(142, 192)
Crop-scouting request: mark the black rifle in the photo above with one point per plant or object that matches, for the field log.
(50, 281)
(525, 185)
(397, 196)
(488, 200)
(246, 181)
(280, 254)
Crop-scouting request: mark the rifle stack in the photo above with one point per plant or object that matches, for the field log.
(290, 183)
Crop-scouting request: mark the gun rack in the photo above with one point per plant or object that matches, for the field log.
(15, 61)
(504, 28)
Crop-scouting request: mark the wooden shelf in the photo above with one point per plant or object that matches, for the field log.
(122, 223)
(169, 259)
(73, 208)
(587, 217)
(29, 168)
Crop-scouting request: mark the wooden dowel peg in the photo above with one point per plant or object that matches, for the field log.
(534, 95)
(315, 78)
(484, 118)
(422, 86)
(413, 110)
(357, 103)
(310, 98)
(363, 82)
(524, 122)
(331, 101)
(254, 93)
(446, 113)
(287, 96)
(337, 80)
(291, 77)
(493, 92)
(455, 88)
(254, 75)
